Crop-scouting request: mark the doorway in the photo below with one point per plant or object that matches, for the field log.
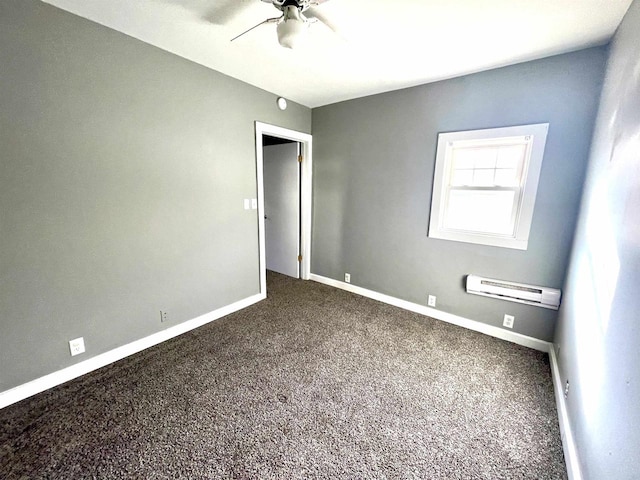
(281, 168)
(284, 167)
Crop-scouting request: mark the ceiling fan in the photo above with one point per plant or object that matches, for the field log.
(297, 16)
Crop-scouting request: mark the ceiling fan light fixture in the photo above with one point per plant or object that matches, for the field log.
(292, 28)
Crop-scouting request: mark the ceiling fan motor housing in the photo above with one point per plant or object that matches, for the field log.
(300, 5)
(293, 24)
(292, 27)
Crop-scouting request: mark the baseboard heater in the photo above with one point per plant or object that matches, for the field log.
(514, 292)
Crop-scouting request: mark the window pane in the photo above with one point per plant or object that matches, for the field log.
(461, 178)
(480, 211)
(463, 158)
(511, 156)
(485, 157)
(507, 177)
(483, 178)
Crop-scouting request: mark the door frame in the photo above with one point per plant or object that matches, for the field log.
(306, 172)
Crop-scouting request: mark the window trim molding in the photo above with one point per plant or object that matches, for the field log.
(524, 215)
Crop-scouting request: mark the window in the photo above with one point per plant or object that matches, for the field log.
(485, 183)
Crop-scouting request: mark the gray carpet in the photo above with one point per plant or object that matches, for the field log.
(313, 382)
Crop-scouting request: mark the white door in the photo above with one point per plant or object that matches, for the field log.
(282, 208)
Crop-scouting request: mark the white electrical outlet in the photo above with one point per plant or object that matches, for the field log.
(347, 277)
(431, 301)
(76, 346)
(254, 203)
(508, 321)
(163, 316)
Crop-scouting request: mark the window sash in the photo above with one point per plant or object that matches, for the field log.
(497, 144)
(515, 204)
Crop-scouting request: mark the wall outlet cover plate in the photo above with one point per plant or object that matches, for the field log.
(508, 321)
(76, 346)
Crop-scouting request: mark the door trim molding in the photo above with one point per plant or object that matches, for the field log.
(306, 172)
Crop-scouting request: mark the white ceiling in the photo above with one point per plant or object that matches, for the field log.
(383, 44)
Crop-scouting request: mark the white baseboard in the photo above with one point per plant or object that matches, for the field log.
(568, 443)
(46, 382)
(490, 330)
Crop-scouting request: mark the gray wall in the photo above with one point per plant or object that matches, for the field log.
(598, 333)
(122, 174)
(373, 172)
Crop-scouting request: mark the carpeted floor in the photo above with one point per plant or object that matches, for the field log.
(313, 382)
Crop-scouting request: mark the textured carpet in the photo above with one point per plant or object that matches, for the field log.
(313, 382)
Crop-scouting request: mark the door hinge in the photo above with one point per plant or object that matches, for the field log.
(299, 158)
(299, 258)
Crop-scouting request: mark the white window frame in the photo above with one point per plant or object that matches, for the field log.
(526, 199)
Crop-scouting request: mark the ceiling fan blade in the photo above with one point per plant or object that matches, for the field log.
(221, 14)
(268, 20)
(316, 13)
